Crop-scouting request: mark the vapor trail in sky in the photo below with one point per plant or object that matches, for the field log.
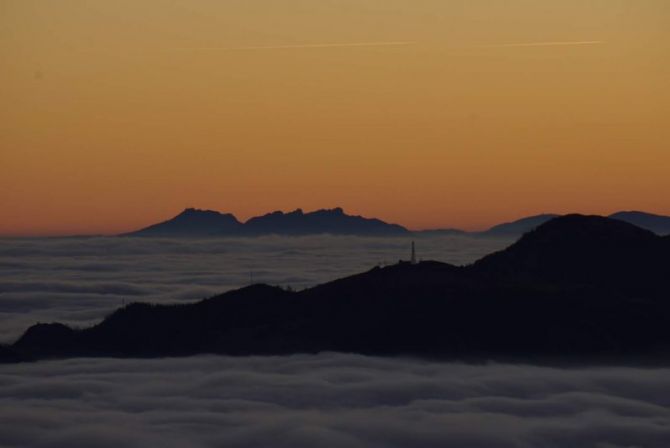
(299, 46)
(549, 44)
(379, 44)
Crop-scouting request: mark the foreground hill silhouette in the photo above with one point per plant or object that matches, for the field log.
(198, 223)
(577, 288)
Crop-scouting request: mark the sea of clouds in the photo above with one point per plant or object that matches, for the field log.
(326, 400)
(329, 400)
(80, 280)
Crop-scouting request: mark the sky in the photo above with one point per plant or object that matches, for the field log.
(428, 113)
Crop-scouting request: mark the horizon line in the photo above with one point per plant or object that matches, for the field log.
(411, 230)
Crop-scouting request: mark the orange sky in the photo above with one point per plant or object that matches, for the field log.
(117, 114)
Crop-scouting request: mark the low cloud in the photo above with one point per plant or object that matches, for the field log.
(113, 288)
(330, 400)
(63, 279)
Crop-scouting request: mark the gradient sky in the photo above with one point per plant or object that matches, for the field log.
(429, 113)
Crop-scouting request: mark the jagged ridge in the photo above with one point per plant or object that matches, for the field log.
(193, 222)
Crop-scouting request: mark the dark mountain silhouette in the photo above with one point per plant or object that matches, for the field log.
(206, 223)
(597, 252)
(8, 355)
(197, 223)
(577, 288)
(194, 222)
(518, 227)
(333, 221)
(656, 223)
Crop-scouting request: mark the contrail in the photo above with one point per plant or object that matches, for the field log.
(549, 44)
(298, 46)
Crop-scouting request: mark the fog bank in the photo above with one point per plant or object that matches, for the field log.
(329, 400)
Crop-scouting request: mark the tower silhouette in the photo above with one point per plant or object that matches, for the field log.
(413, 259)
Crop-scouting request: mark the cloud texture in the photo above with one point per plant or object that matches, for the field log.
(329, 400)
(80, 280)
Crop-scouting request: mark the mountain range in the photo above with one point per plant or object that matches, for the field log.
(656, 223)
(207, 223)
(575, 289)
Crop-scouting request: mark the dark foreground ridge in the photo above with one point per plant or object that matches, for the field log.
(577, 288)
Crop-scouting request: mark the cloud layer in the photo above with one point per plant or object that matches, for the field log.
(329, 400)
(80, 280)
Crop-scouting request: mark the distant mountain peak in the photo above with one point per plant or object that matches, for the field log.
(190, 211)
(656, 223)
(201, 222)
(334, 211)
(197, 222)
(520, 226)
(332, 221)
(632, 212)
(193, 222)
